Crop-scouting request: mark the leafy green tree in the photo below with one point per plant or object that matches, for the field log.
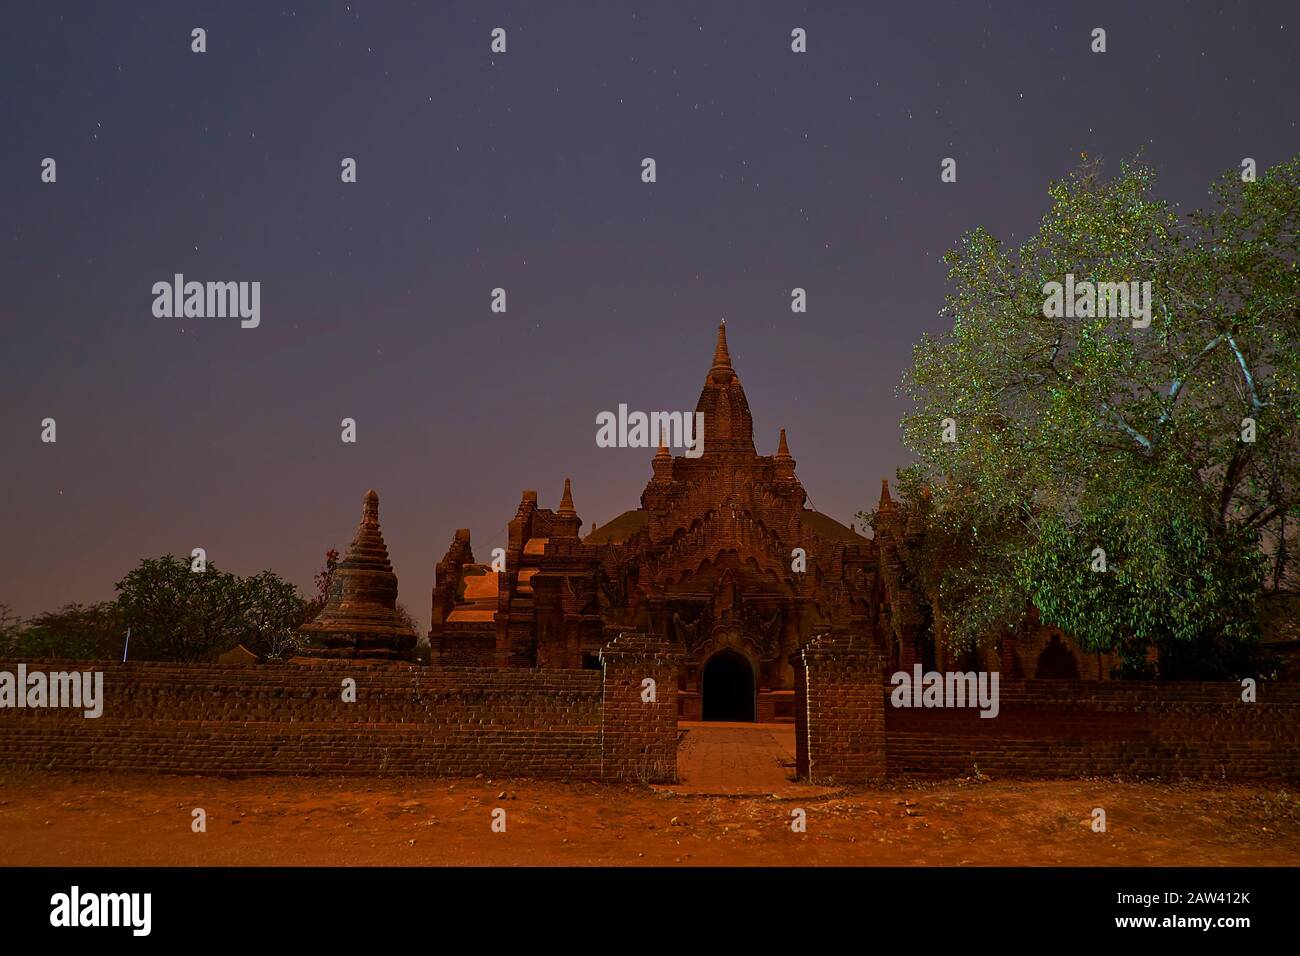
(1174, 448)
(177, 614)
(183, 615)
(273, 612)
(80, 632)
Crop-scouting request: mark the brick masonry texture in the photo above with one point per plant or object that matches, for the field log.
(291, 719)
(1055, 728)
(589, 725)
(839, 717)
(639, 737)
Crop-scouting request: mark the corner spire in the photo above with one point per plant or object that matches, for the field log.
(566, 502)
(885, 500)
(783, 460)
(663, 445)
(566, 526)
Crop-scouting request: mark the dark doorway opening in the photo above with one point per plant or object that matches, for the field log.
(1056, 662)
(727, 687)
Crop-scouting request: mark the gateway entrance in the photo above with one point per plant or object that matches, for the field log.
(727, 688)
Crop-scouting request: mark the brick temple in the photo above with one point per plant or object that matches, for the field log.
(542, 669)
(724, 560)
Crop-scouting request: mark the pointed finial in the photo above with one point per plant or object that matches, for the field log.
(663, 445)
(782, 449)
(370, 508)
(566, 502)
(721, 357)
(885, 500)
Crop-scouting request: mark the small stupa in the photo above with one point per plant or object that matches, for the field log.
(359, 620)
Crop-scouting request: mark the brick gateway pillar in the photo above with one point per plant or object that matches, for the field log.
(839, 711)
(639, 734)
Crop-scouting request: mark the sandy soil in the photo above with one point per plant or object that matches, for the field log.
(48, 819)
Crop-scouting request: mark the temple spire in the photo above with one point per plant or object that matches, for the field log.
(728, 426)
(783, 460)
(662, 465)
(663, 445)
(566, 502)
(885, 500)
(722, 357)
(566, 526)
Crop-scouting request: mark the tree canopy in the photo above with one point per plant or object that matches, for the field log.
(179, 614)
(1172, 451)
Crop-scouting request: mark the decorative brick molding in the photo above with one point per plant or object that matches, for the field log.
(839, 712)
(639, 738)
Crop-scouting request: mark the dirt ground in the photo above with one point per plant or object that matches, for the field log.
(88, 820)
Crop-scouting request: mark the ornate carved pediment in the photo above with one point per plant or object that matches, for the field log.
(734, 637)
(581, 596)
(766, 629)
(691, 630)
(726, 598)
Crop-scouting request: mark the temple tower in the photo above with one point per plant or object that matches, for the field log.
(728, 425)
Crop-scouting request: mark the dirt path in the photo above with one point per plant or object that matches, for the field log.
(101, 820)
(739, 759)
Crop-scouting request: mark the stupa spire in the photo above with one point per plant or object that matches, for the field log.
(360, 619)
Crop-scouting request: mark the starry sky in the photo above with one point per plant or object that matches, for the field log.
(522, 171)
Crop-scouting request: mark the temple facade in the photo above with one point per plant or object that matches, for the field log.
(723, 558)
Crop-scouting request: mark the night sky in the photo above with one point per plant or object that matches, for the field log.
(522, 170)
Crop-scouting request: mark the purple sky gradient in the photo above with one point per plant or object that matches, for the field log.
(522, 170)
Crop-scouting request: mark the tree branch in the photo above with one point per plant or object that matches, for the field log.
(1177, 385)
(1236, 466)
(1128, 429)
(1255, 404)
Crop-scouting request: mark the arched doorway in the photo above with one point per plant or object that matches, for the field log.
(727, 687)
(1056, 662)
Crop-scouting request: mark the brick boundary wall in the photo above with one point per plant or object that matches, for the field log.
(588, 725)
(839, 714)
(411, 720)
(638, 736)
(1059, 728)
(848, 732)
